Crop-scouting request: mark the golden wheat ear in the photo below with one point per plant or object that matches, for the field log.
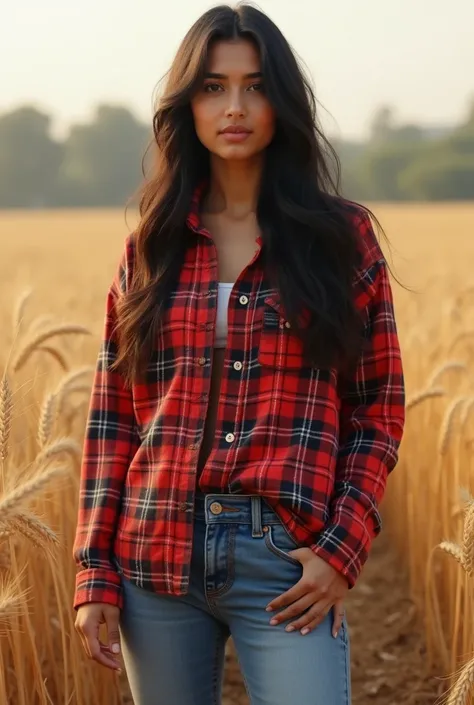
(39, 338)
(6, 414)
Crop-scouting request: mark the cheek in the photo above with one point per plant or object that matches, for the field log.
(266, 122)
(204, 120)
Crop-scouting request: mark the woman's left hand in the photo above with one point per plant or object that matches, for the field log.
(320, 588)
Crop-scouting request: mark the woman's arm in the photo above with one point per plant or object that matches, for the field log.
(110, 443)
(371, 426)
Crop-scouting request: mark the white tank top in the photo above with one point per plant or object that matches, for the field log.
(222, 306)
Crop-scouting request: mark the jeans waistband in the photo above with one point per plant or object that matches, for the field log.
(235, 509)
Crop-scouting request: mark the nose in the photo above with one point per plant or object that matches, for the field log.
(236, 107)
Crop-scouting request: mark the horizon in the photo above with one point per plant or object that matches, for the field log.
(410, 57)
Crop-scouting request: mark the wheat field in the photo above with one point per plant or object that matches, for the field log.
(54, 273)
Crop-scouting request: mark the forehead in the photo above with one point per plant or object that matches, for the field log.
(239, 56)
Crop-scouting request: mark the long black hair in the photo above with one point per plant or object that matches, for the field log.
(308, 228)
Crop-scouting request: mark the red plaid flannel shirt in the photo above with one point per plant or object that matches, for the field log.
(317, 449)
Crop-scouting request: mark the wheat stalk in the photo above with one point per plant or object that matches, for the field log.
(461, 336)
(6, 408)
(419, 397)
(64, 445)
(11, 502)
(47, 418)
(10, 601)
(34, 529)
(463, 686)
(447, 366)
(56, 354)
(67, 384)
(448, 424)
(19, 309)
(466, 411)
(468, 540)
(40, 338)
(453, 550)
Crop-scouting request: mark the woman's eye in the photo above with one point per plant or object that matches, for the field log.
(211, 87)
(256, 87)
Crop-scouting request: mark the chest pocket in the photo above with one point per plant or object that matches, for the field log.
(279, 346)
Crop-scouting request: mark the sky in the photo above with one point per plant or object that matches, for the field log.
(65, 56)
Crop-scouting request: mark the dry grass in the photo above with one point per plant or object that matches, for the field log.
(53, 304)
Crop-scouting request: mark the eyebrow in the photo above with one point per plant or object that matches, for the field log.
(257, 74)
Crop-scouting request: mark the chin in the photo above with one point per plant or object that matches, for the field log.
(236, 152)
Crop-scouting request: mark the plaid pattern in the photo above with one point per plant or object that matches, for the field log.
(316, 447)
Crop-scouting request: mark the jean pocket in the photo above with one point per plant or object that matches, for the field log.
(279, 542)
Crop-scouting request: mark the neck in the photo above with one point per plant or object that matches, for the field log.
(234, 187)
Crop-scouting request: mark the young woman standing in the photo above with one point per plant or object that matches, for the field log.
(248, 402)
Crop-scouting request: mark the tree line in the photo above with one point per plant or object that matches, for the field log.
(99, 163)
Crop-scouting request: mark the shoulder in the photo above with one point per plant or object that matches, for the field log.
(124, 270)
(371, 267)
(368, 245)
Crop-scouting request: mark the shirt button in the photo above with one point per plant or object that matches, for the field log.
(244, 300)
(287, 324)
(230, 437)
(201, 360)
(237, 365)
(193, 446)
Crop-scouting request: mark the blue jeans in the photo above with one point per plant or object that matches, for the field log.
(173, 646)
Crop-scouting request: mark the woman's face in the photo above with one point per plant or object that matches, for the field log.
(232, 115)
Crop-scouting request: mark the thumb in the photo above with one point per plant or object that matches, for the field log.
(338, 614)
(111, 616)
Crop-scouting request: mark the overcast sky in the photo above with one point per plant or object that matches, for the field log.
(67, 55)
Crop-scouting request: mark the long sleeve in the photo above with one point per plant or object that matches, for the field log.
(109, 445)
(372, 417)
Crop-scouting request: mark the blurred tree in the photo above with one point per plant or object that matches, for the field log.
(29, 159)
(102, 160)
(382, 125)
(444, 176)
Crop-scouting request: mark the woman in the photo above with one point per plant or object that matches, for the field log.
(248, 402)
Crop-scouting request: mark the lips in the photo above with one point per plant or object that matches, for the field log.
(235, 130)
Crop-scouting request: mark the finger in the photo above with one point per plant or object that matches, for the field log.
(300, 589)
(79, 629)
(294, 610)
(112, 621)
(85, 645)
(103, 656)
(94, 650)
(338, 616)
(313, 617)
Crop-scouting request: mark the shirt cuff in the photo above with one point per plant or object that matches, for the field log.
(98, 585)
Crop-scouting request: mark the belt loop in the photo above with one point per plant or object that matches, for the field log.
(256, 506)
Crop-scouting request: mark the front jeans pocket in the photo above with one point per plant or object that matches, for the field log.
(279, 542)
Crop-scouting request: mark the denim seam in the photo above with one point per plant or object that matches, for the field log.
(219, 643)
(347, 664)
(213, 594)
(278, 551)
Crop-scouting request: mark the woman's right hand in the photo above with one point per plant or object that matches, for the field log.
(88, 620)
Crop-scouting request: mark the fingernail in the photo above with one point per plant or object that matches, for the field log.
(304, 631)
(115, 648)
(289, 628)
(268, 609)
(273, 621)
(335, 634)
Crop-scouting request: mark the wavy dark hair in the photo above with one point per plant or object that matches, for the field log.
(308, 231)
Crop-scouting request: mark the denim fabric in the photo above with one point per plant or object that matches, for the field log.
(173, 646)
